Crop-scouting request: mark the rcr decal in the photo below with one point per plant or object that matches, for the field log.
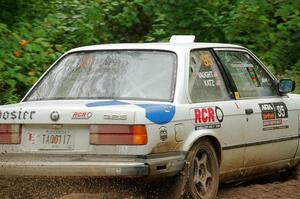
(82, 115)
(17, 115)
(274, 116)
(208, 117)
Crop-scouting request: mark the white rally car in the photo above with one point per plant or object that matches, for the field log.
(204, 112)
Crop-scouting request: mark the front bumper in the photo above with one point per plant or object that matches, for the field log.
(91, 165)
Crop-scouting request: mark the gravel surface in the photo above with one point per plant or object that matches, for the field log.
(92, 188)
(284, 187)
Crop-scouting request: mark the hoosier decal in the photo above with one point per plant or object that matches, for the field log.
(17, 114)
(274, 116)
(208, 117)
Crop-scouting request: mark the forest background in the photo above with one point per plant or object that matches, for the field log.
(33, 33)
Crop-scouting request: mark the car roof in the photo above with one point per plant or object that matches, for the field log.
(155, 46)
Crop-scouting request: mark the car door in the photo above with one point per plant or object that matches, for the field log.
(214, 109)
(271, 134)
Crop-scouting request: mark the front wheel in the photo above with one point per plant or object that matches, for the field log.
(202, 171)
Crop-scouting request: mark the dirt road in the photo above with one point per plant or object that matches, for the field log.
(286, 187)
(87, 188)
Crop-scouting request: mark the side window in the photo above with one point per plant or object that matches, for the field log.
(205, 79)
(249, 77)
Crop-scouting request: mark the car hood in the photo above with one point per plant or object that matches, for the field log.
(294, 96)
(86, 112)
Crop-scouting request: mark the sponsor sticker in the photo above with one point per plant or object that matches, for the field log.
(274, 116)
(208, 126)
(82, 115)
(17, 114)
(272, 122)
(206, 60)
(237, 95)
(275, 127)
(208, 117)
(163, 133)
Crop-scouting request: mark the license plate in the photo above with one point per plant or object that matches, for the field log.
(56, 139)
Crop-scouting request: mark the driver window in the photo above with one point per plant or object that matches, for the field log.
(250, 78)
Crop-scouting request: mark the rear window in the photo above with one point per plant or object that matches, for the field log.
(114, 74)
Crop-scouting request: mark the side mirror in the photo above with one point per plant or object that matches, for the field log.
(286, 86)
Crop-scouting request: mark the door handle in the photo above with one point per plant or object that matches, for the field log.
(249, 111)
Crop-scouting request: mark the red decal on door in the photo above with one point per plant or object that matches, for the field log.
(208, 118)
(208, 115)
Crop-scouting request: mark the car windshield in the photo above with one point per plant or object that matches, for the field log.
(111, 74)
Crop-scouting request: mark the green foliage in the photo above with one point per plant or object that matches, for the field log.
(34, 33)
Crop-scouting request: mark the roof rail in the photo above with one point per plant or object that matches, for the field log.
(182, 39)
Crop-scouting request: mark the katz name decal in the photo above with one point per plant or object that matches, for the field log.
(274, 116)
(208, 117)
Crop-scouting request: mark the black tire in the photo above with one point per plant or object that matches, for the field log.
(200, 176)
(203, 171)
(184, 186)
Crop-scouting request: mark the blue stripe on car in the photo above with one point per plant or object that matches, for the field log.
(156, 113)
(159, 113)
